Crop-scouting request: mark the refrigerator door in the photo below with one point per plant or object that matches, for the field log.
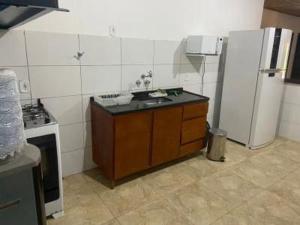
(275, 50)
(266, 110)
(284, 49)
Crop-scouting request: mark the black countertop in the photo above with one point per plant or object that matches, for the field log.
(137, 105)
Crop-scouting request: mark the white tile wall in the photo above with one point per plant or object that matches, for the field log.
(290, 121)
(66, 110)
(100, 50)
(292, 94)
(166, 76)
(71, 137)
(167, 52)
(51, 48)
(87, 134)
(86, 107)
(100, 79)
(191, 74)
(194, 88)
(211, 109)
(210, 90)
(12, 45)
(290, 130)
(212, 59)
(72, 162)
(211, 73)
(132, 73)
(54, 81)
(108, 65)
(88, 159)
(291, 113)
(137, 51)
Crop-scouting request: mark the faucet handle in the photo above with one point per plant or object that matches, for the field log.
(138, 83)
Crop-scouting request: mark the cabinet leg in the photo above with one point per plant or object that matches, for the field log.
(112, 184)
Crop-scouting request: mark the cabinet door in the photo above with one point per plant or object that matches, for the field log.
(166, 134)
(132, 143)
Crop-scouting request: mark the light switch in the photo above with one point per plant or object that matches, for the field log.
(24, 86)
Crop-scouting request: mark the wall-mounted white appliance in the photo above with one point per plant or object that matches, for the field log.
(256, 64)
(203, 45)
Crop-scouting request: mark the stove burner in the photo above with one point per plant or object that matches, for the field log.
(35, 115)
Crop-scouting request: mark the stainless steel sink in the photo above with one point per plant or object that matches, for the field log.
(156, 101)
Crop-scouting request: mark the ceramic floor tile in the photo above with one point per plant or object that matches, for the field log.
(234, 154)
(87, 210)
(75, 183)
(201, 167)
(73, 216)
(156, 213)
(168, 180)
(231, 187)
(265, 169)
(128, 196)
(239, 216)
(259, 187)
(201, 206)
(289, 150)
(112, 222)
(268, 208)
(265, 210)
(289, 189)
(96, 181)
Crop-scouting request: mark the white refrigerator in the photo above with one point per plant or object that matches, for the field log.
(256, 64)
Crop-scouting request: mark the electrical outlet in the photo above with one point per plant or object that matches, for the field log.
(23, 86)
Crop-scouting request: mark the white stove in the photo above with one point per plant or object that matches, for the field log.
(42, 130)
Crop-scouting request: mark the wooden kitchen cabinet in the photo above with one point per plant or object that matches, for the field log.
(132, 143)
(121, 144)
(194, 110)
(193, 130)
(128, 143)
(166, 134)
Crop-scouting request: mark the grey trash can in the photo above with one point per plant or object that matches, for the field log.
(216, 144)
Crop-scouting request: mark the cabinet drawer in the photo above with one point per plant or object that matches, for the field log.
(195, 110)
(193, 129)
(191, 147)
(17, 199)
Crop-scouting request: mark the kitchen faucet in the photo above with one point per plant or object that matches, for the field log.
(149, 74)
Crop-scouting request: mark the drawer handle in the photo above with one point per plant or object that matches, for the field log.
(9, 204)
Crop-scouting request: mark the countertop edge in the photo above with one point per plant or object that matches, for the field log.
(29, 157)
(204, 99)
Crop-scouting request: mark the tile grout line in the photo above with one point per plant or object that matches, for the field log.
(27, 60)
(121, 65)
(84, 132)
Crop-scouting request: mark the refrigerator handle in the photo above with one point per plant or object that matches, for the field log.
(271, 70)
